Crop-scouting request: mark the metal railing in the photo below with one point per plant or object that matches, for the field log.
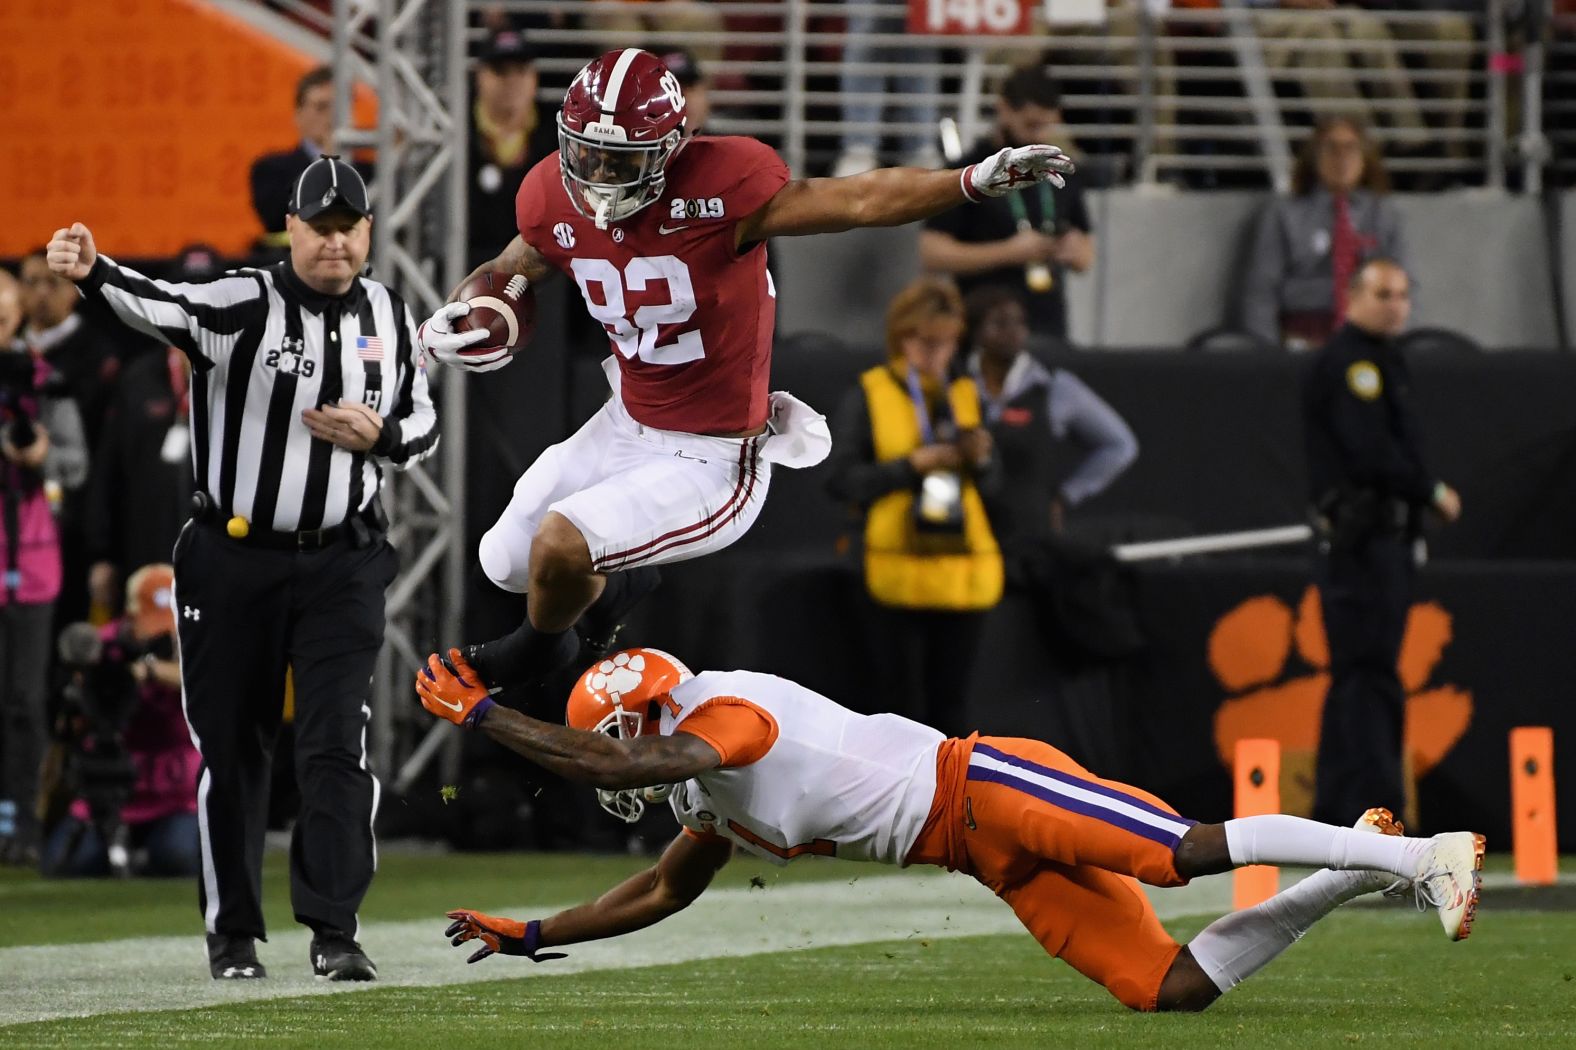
(1168, 95)
(1185, 95)
(1558, 100)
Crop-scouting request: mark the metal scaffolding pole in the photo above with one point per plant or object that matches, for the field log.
(416, 62)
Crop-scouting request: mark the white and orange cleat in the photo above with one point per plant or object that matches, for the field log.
(1449, 877)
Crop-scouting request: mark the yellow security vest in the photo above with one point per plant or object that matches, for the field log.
(896, 572)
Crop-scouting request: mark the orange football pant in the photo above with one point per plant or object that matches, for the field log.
(1063, 848)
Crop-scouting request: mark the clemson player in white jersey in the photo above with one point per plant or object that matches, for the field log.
(755, 762)
(665, 236)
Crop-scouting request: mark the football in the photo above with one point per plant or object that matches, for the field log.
(504, 305)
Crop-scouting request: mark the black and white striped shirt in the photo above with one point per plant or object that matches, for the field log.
(264, 348)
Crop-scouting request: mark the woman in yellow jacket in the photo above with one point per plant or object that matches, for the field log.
(910, 452)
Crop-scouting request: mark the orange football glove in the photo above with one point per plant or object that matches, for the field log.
(451, 689)
(502, 936)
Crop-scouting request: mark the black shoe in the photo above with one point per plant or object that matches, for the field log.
(233, 958)
(599, 627)
(337, 956)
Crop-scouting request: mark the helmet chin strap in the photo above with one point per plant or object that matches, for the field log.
(604, 203)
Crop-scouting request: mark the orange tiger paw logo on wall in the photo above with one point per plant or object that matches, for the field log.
(1274, 662)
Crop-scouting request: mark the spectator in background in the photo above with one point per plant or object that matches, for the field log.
(510, 131)
(1447, 35)
(85, 364)
(1308, 246)
(656, 24)
(86, 360)
(10, 312)
(274, 174)
(1302, 41)
(910, 451)
(1029, 240)
(1028, 409)
(140, 487)
(863, 105)
(41, 452)
(697, 89)
(159, 819)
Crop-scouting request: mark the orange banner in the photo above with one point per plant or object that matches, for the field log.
(140, 118)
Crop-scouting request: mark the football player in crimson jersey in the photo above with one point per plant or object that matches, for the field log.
(762, 764)
(666, 238)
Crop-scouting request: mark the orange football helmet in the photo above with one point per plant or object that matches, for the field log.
(619, 695)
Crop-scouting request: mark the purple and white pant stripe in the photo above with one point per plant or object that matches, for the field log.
(1078, 795)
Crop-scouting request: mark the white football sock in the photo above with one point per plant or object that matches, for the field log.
(1279, 839)
(1234, 947)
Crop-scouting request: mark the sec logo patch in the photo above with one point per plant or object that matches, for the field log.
(564, 234)
(1363, 379)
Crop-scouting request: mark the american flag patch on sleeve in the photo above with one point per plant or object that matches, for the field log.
(369, 347)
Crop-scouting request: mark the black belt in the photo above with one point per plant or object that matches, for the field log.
(360, 529)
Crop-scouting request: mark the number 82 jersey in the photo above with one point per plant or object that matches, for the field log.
(690, 319)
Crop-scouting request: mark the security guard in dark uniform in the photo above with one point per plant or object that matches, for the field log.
(306, 385)
(1370, 490)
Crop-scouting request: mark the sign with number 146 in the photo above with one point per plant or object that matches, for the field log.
(966, 17)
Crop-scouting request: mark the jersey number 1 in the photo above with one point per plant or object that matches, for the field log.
(635, 334)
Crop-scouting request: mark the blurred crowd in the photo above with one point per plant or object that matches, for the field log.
(94, 484)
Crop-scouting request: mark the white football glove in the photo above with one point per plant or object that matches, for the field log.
(437, 337)
(1016, 168)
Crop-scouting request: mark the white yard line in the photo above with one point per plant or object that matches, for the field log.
(171, 973)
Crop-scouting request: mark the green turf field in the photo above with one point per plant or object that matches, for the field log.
(919, 961)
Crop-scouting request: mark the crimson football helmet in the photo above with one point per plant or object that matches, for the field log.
(619, 695)
(621, 124)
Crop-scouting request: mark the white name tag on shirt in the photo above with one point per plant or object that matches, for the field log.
(177, 443)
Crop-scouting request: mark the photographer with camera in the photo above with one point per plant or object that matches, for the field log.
(42, 452)
(911, 454)
(129, 764)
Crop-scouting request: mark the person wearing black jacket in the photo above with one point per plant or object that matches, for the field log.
(139, 491)
(1028, 240)
(510, 132)
(273, 175)
(1369, 488)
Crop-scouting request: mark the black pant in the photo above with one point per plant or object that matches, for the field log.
(245, 614)
(1365, 592)
(922, 660)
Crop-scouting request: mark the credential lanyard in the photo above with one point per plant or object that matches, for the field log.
(1020, 213)
(927, 433)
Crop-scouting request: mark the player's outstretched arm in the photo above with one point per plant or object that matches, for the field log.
(451, 689)
(682, 874)
(195, 318)
(894, 196)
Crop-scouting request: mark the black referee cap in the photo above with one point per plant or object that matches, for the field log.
(329, 183)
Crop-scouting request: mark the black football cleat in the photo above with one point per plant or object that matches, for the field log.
(234, 958)
(337, 956)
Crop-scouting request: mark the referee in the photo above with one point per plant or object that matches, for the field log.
(305, 384)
